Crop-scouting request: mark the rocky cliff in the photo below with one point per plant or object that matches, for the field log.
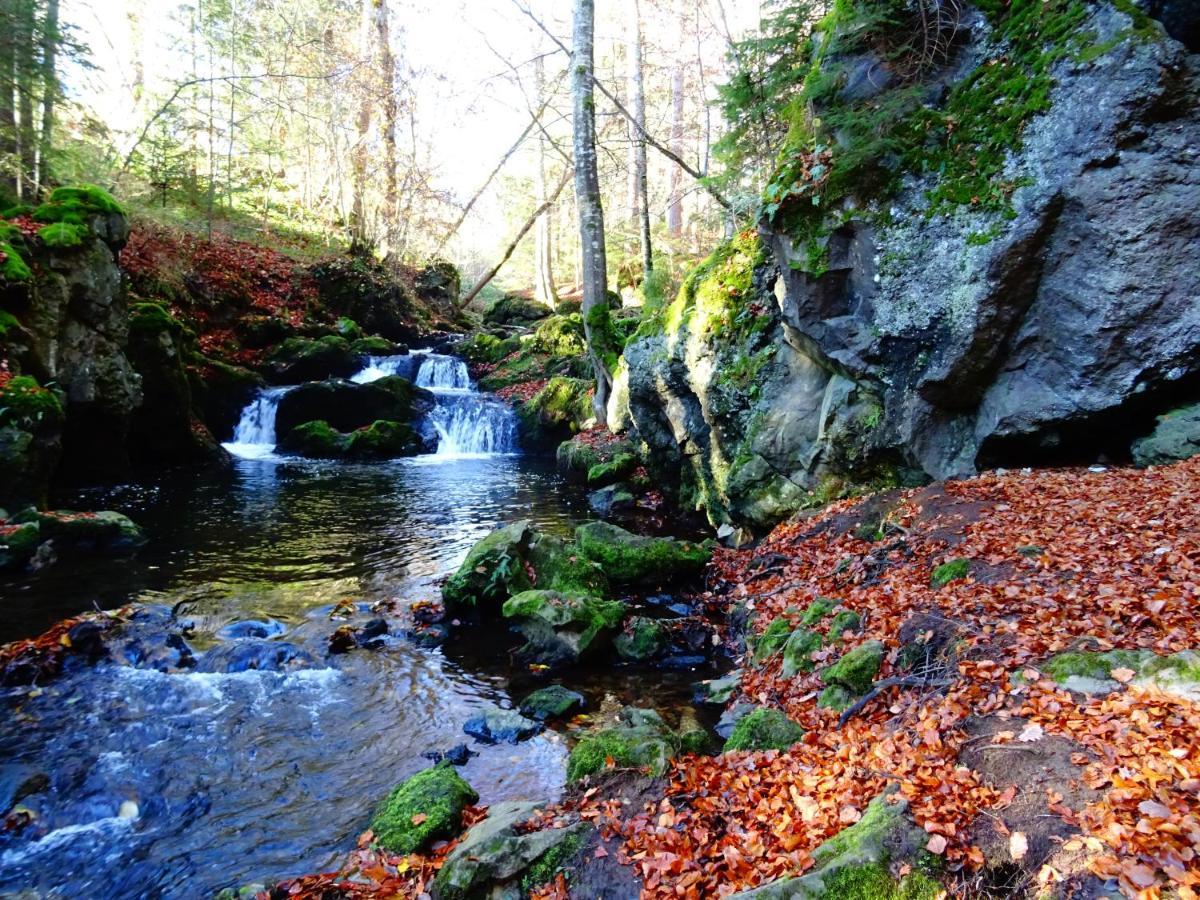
(1023, 290)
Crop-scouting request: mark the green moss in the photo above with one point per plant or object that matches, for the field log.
(549, 864)
(348, 328)
(27, 405)
(560, 336)
(493, 570)
(89, 196)
(798, 652)
(13, 266)
(426, 808)
(630, 559)
(316, 439)
(617, 469)
(383, 440)
(8, 322)
(152, 318)
(542, 613)
(857, 668)
(551, 702)
(577, 457)
(564, 404)
(844, 621)
(642, 741)
(642, 638)
(950, 571)
(560, 566)
(63, 235)
(373, 346)
(772, 639)
(835, 697)
(874, 882)
(818, 610)
(764, 729)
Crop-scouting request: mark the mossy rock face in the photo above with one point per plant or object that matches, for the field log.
(835, 697)
(99, 532)
(318, 440)
(771, 640)
(1176, 437)
(27, 405)
(947, 572)
(513, 310)
(1091, 672)
(857, 668)
(375, 345)
(552, 702)
(641, 639)
(561, 336)
(486, 348)
(428, 807)
(498, 567)
(499, 858)
(384, 440)
(563, 407)
(576, 457)
(561, 629)
(18, 542)
(764, 729)
(640, 740)
(300, 359)
(493, 570)
(846, 620)
(630, 559)
(617, 469)
(347, 406)
(854, 863)
(798, 652)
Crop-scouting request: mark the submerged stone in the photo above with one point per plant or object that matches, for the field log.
(764, 729)
(719, 691)
(255, 655)
(427, 807)
(551, 702)
(501, 726)
(641, 638)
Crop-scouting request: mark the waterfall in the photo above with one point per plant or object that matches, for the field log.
(254, 437)
(467, 422)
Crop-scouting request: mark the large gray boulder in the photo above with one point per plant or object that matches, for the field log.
(935, 346)
(347, 406)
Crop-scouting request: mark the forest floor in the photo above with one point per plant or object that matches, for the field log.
(1023, 786)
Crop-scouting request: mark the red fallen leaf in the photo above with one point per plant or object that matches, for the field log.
(600, 853)
(936, 845)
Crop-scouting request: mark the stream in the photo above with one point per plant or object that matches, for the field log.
(152, 784)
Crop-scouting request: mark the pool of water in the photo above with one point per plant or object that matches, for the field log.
(176, 785)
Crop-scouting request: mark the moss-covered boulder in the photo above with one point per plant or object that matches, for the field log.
(857, 668)
(384, 440)
(835, 697)
(513, 309)
(499, 857)
(18, 542)
(551, 702)
(374, 345)
(317, 440)
(953, 570)
(857, 862)
(561, 408)
(764, 729)
(845, 621)
(620, 467)
(347, 406)
(301, 359)
(577, 456)
(771, 640)
(631, 559)
(641, 639)
(561, 629)
(518, 558)
(90, 532)
(1175, 437)
(817, 611)
(798, 652)
(612, 501)
(719, 691)
(428, 807)
(639, 740)
(1089, 672)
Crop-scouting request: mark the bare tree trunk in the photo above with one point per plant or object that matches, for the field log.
(642, 191)
(675, 209)
(358, 156)
(233, 20)
(49, 93)
(26, 135)
(8, 109)
(543, 255)
(587, 193)
(387, 68)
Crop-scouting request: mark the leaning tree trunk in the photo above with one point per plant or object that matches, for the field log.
(587, 193)
(639, 145)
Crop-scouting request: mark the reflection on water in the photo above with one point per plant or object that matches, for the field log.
(176, 785)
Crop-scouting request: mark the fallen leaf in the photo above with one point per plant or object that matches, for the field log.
(1123, 675)
(1018, 845)
(936, 845)
(1030, 733)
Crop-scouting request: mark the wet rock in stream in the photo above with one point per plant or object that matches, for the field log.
(256, 655)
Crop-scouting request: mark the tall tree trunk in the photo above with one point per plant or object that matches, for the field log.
(543, 251)
(49, 93)
(594, 273)
(387, 71)
(639, 145)
(8, 109)
(358, 156)
(26, 134)
(675, 209)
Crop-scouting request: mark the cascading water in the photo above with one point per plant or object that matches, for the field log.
(467, 422)
(254, 437)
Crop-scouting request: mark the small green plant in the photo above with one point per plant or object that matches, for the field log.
(950, 571)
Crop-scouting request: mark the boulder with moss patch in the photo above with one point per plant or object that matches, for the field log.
(857, 668)
(631, 559)
(561, 629)
(317, 440)
(551, 702)
(639, 740)
(498, 857)
(771, 640)
(857, 862)
(1175, 437)
(641, 639)
(764, 729)
(302, 359)
(953, 570)
(798, 652)
(427, 807)
(103, 532)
